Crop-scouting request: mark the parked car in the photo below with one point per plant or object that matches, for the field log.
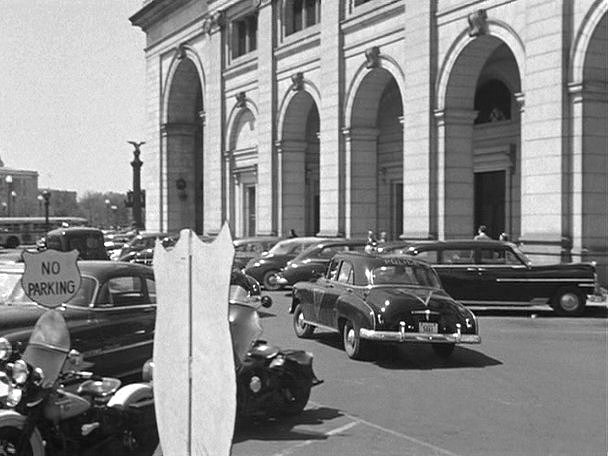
(264, 268)
(140, 242)
(248, 248)
(88, 241)
(111, 318)
(375, 298)
(499, 273)
(312, 262)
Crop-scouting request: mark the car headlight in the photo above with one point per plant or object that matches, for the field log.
(6, 349)
(20, 372)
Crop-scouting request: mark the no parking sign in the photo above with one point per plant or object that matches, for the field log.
(51, 278)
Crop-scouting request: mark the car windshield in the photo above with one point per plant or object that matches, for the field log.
(288, 247)
(404, 274)
(12, 292)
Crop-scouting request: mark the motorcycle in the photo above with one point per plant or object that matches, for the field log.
(271, 382)
(50, 408)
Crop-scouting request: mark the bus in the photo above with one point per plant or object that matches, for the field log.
(16, 231)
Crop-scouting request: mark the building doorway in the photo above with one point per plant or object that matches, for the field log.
(490, 202)
(249, 210)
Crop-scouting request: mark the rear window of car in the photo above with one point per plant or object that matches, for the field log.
(404, 275)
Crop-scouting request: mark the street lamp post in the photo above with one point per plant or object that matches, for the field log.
(108, 203)
(46, 195)
(136, 164)
(40, 199)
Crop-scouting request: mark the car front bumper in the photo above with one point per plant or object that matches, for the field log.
(403, 336)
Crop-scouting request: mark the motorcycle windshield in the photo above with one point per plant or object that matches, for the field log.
(48, 346)
(245, 328)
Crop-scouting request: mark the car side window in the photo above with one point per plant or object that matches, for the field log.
(125, 291)
(512, 259)
(151, 286)
(492, 256)
(332, 269)
(458, 256)
(346, 273)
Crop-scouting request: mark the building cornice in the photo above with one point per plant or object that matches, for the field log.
(155, 10)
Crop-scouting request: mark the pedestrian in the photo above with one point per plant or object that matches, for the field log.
(382, 238)
(372, 243)
(503, 237)
(482, 233)
(292, 233)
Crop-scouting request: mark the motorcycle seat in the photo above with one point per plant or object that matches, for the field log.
(264, 350)
(99, 388)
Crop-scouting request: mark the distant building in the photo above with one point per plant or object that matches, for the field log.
(18, 192)
(418, 118)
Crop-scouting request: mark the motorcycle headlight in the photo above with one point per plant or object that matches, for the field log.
(20, 372)
(14, 397)
(255, 384)
(6, 349)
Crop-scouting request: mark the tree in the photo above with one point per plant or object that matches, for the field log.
(105, 210)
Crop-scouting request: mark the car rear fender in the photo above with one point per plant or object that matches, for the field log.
(360, 313)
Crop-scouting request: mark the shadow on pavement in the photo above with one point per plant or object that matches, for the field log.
(414, 356)
(282, 428)
(591, 311)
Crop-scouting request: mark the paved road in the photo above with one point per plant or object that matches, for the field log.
(537, 385)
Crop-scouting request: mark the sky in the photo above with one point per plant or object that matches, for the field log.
(72, 80)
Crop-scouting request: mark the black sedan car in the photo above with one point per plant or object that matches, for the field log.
(372, 298)
(312, 262)
(245, 249)
(499, 273)
(111, 318)
(265, 267)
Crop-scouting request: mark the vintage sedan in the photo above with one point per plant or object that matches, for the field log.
(264, 268)
(245, 249)
(372, 298)
(111, 318)
(499, 273)
(312, 262)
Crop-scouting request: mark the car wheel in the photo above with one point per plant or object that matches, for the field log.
(354, 346)
(302, 330)
(569, 301)
(443, 350)
(9, 442)
(270, 281)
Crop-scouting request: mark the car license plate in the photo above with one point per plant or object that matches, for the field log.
(428, 328)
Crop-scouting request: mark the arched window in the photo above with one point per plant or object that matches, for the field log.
(493, 102)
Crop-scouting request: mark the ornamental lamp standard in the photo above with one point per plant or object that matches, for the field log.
(136, 164)
(46, 196)
(40, 199)
(108, 203)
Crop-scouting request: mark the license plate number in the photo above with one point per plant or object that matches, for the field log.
(428, 328)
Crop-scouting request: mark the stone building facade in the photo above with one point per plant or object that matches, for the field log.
(423, 119)
(18, 192)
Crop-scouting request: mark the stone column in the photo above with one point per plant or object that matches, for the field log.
(418, 144)
(455, 178)
(213, 137)
(544, 198)
(266, 194)
(360, 181)
(330, 115)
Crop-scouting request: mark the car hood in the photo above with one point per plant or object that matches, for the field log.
(395, 300)
(17, 321)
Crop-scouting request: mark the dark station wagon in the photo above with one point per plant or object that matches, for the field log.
(499, 273)
(111, 318)
(372, 298)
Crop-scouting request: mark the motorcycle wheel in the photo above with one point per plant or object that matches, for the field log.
(9, 439)
(295, 397)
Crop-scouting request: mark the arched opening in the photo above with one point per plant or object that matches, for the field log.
(374, 149)
(299, 167)
(184, 150)
(243, 179)
(479, 143)
(590, 187)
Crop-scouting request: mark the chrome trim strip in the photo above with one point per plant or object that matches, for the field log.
(580, 281)
(397, 336)
(125, 347)
(317, 325)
